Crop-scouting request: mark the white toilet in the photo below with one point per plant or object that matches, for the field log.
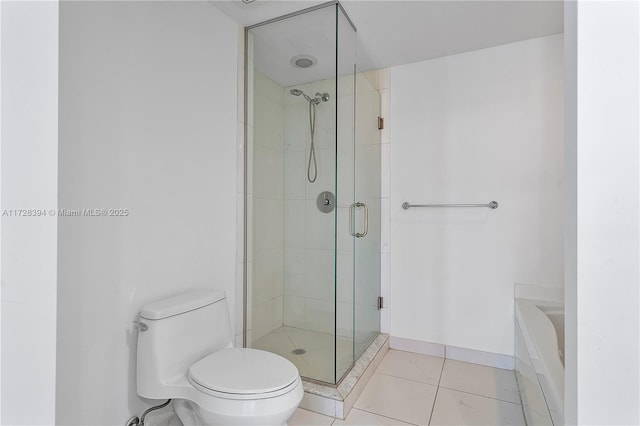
(185, 353)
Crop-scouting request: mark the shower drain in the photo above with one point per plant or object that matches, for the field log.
(298, 352)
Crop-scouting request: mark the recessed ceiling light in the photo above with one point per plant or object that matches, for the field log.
(303, 61)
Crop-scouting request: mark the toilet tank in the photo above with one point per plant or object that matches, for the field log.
(179, 331)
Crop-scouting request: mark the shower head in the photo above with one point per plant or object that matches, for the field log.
(323, 96)
(298, 92)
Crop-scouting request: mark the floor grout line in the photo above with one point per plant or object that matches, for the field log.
(386, 417)
(404, 378)
(435, 398)
(482, 396)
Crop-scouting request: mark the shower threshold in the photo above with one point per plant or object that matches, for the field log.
(337, 400)
(309, 351)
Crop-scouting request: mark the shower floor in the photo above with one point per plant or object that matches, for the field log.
(311, 351)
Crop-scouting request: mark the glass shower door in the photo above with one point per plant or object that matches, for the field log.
(366, 215)
(358, 227)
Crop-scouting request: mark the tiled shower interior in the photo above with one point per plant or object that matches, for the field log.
(295, 261)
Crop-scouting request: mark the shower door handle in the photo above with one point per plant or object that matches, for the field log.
(352, 207)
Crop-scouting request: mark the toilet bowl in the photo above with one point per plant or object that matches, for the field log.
(185, 354)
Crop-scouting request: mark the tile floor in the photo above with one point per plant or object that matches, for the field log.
(414, 389)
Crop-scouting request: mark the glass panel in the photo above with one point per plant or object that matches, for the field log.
(345, 243)
(367, 166)
(292, 161)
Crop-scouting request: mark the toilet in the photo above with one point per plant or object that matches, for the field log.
(186, 353)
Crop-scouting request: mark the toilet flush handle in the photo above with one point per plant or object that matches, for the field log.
(140, 326)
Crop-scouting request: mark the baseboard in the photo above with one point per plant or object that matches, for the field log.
(417, 346)
(453, 352)
(480, 357)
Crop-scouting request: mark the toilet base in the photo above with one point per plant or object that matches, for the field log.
(264, 412)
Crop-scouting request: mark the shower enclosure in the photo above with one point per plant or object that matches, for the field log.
(312, 227)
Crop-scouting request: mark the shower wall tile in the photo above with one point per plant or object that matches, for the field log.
(295, 175)
(294, 224)
(345, 135)
(344, 318)
(268, 88)
(291, 100)
(294, 272)
(320, 274)
(383, 79)
(344, 276)
(344, 239)
(267, 317)
(319, 315)
(326, 178)
(269, 118)
(268, 173)
(294, 311)
(266, 163)
(367, 171)
(268, 224)
(267, 268)
(325, 130)
(346, 86)
(373, 78)
(295, 261)
(328, 85)
(319, 227)
(296, 125)
(367, 132)
(294, 284)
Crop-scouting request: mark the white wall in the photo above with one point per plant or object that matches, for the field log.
(603, 242)
(29, 181)
(148, 122)
(471, 128)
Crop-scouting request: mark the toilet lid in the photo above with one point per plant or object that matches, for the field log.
(243, 371)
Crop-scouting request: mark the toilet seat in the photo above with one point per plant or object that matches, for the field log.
(242, 373)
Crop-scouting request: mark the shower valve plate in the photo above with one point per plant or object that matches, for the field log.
(326, 202)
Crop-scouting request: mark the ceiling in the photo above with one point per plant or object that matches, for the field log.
(399, 32)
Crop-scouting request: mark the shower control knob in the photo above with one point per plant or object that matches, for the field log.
(326, 202)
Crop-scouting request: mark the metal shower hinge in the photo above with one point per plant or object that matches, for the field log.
(380, 123)
(380, 302)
